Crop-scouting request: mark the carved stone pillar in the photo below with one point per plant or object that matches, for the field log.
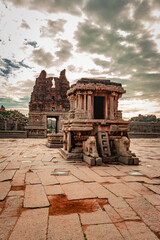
(89, 105)
(79, 102)
(85, 102)
(116, 105)
(69, 141)
(65, 141)
(116, 102)
(106, 107)
(72, 101)
(111, 107)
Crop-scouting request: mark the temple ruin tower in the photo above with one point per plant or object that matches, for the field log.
(41, 97)
(95, 131)
(47, 101)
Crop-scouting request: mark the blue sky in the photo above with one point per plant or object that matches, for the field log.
(114, 39)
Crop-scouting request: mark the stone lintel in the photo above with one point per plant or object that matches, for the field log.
(36, 127)
(98, 121)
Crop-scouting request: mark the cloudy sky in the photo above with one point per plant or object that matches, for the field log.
(115, 39)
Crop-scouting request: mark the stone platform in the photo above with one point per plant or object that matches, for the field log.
(55, 140)
(42, 196)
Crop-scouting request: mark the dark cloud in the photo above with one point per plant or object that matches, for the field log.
(25, 25)
(121, 12)
(21, 63)
(65, 50)
(7, 66)
(89, 38)
(69, 6)
(143, 10)
(52, 28)
(22, 89)
(31, 43)
(135, 51)
(102, 63)
(106, 11)
(146, 84)
(42, 58)
(73, 68)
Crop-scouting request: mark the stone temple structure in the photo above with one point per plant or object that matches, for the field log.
(95, 131)
(89, 125)
(47, 102)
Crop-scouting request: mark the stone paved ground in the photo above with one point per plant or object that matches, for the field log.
(105, 202)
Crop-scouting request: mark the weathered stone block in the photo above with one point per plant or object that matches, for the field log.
(90, 160)
(98, 161)
(126, 160)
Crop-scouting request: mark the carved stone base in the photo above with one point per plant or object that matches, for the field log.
(92, 161)
(129, 160)
(71, 156)
(55, 140)
(109, 159)
(54, 145)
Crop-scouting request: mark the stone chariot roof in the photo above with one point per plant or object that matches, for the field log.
(91, 84)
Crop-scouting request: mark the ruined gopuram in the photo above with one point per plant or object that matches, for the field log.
(47, 102)
(95, 131)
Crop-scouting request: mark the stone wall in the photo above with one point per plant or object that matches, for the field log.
(144, 129)
(13, 134)
(11, 125)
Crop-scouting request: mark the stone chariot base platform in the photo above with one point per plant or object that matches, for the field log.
(98, 161)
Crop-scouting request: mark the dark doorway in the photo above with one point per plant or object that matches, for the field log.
(98, 107)
(51, 125)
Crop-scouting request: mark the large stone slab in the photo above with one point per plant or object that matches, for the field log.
(139, 231)
(135, 179)
(26, 164)
(32, 178)
(13, 207)
(35, 197)
(19, 193)
(67, 179)
(4, 189)
(65, 227)
(81, 175)
(114, 172)
(123, 209)
(47, 158)
(31, 225)
(139, 188)
(147, 212)
(46, 178)
(6, 225)
(101, 171)
(153, 188)
(114, 216)
(3, 165)
(92, 174)
(121, 226)
(98, 217)
(53, 190)
(6, 175)
(99, 190)
(77, 191)
(154, 199)
(14, 165)
(121, 190)
(102, 232)
(18, 179)
(112, 180)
